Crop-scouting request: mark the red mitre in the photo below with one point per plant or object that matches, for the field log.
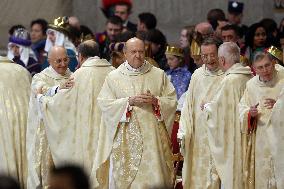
(108, 3)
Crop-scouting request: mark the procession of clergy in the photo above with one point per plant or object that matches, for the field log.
(117, 123)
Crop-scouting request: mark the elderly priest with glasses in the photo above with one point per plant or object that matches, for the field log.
(50, 80)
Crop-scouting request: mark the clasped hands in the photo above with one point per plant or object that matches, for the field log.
(143, 98)
(268, 103)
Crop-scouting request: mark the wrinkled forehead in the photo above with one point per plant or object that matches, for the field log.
(135, 45)
(59, 52)
(62, 53)
(264, 61)
(210, 48)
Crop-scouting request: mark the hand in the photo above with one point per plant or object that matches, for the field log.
(269, 103)
(39, 91)
(154, 100)
(202, 106)
(137, 100)
(147, 98)
(68, 84)
(253, 110)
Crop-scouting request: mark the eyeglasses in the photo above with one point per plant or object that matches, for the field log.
(64, 60)
(207, 56)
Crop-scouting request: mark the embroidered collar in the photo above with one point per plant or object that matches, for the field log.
(130, 68)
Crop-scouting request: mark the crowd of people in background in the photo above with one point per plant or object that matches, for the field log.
(51, 51)
(29, 46)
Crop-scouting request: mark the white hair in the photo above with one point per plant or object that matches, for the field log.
(230, 51)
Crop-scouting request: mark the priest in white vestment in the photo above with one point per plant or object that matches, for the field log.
(199, 168)
(72, 117)
(138, 104)
(222, 117)
(50, 80)
(275, 131)
(14, 99)
(256, 105)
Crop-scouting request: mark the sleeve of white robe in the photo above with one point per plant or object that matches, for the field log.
(244, 107)
(112, 111)
(168, 104)
(185, 129)
(72, 119)
(224, 135)
(275, 131)
(111, 107)
(60, 124)
(186, 122)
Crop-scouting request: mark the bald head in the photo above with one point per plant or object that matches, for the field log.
(205, 29)
(134, 51)
(133, 41)
(58, 59)
(54, 50)
(74, 21)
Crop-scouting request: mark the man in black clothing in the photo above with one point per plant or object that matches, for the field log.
(123, 10)
(104, 39)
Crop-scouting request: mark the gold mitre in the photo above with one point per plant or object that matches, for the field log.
(173, 50)
(276, 53)
(61, 24)
(195, 49)
(244, 60)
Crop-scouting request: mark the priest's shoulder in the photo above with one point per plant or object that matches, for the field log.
(114, 74)
(83, 71)
(235, 80)
(41, 74)
(157, 70)
(197, 72)
(14, 67)
(252, 82)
